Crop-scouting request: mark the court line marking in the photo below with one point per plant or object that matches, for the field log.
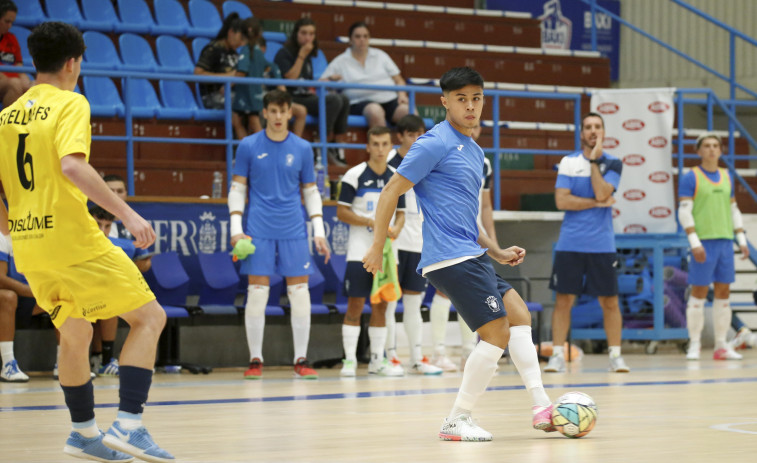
(389, 393)
(728, 427)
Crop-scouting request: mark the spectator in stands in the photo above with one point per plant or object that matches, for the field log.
(362, 64)
(708, 213)
(248, 99)
(12, 85)
(295, 59)
(117, 185)
(15, 295)
(219, 58)
(361, 186)
(586, 250)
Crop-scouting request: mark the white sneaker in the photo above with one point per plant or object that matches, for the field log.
(744, 339)
(443, 362)
(692, 353)
(726, 353)
(463, 428)
(618, 365)
(425, 368)
(384, 367)
(556, 364)
(349, 368)
(12, 374)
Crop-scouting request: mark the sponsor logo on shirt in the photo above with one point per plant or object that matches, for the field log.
(635, 228)
(659, 176)
(492, 303)
(261, 156)
(55, 311)
(460, 148)
(31, 223)
(290, 160)
(660, 212)
(633, 159)
(633, 124)
(608, 108)
(634, 195)
(658, 107)
(658, 142)
(368, 183)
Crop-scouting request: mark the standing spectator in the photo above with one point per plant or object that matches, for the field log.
(219, 58)
(361, 186)
(295, 60)
(361, 64)
(708, 213)
(12, 85)
(586, 250)
(277, 166)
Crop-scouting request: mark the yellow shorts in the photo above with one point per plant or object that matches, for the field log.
(98, 289)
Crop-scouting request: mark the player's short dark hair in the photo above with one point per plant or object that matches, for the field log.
(114, 178)
(457, 78)
(592, 114)
(277, 97)
(357, 25)
(53, 43)
(6, 6)
(100, 213)
(376, 131)
(410, 123)
(232, 22)
(705, 135)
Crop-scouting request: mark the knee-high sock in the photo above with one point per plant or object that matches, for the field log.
(523, 353)
(439, 315)
(467, 337)
(391, 332)
(377, 337)
(695, 319)
(413, 325)
(350, 335)
(254, 318)
(479, 370)
(721, 321)
(299, 297)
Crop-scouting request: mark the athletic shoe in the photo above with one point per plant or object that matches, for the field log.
(692, 353)
(395, 360)
(443, 362)
(726, 353)
(255, 371)
(744, 339)
(556, 364)
(463, 428)
(384, 367)
(137, 442)
(349, 368)
(95, 362)
(543, 418)
(425, 368)
(12, 374)
(303, 370)
(92, 448)
(618, 365)
(110, 369)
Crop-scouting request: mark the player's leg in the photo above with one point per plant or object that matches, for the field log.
(357, 287)
(391, 333)
(379, 364)
(108, 330)
(701, 275)
(10, 371)
(567, 281)
(439, 318)
(258, 267)
(725, 274)
(296, 265)
(602, 281)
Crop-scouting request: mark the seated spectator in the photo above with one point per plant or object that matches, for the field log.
(12, 85)
(248, 99)
(117, 185)
(361, 64)
(219, 58)
(295, 59)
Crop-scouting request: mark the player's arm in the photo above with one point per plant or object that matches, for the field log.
(686, 219)
(387, 204)
(348, 216)
(566, 201)
(236, 200)
(85, 177)
(4, 220)
(738, 228)
(143, 264)
(14, 285)
(602, 188)
(314, 207)
(399, 223)
(487, 216)
(512, 256)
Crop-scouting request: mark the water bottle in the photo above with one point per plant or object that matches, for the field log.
(217, 184)
(320, 177)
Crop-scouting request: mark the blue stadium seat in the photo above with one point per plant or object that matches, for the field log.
(232, 6)
(170, 18)
(30, 13)
(99, 15)
(65, 11)
(317, 284)
(100, 52)
(319, 64)
(220, 281)
(271, 48)
(136, 53)
(135, 17)
(173, 55)
(176, 95)
(22, 34)
(103, 97)
(206, 22)
(197, 45)
(144, 101)
(168, 279)
(274, 36)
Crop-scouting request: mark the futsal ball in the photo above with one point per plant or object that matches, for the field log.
(574, 414)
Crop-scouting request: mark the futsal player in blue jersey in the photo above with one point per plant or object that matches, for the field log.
(585, 253)
(276, 165)
(444, 169)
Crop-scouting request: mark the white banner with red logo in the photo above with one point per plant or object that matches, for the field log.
(639, 132)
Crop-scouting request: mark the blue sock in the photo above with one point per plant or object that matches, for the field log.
(135, 384)
(80, 401)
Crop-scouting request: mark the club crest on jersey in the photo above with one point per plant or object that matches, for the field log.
(493, 304)
(289, 159)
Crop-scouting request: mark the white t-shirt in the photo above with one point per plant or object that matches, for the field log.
(378, 70)
(411, 236)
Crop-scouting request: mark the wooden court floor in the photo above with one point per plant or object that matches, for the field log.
(665, 410)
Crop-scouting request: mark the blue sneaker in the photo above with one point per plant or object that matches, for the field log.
(109, 369)
(137, 442)
(92, 448)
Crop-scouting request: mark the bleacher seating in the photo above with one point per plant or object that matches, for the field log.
(100, 53)
(219, 285)
(22, 34)
(99, 15)
(136, 53)
(104, 100)
(30, 13)
(171, 17)
(65, 11)
(173, 56)
(135, 17)
(197, 45)
(232, 6)
(206, 21)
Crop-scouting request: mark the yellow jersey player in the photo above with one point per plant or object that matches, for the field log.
(74, 272)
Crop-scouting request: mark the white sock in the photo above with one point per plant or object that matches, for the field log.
(439, 316)
(526, 361)
(350, 335)
(299, 298)
(721, 321)
(254, 319)
(695, 319)
(614, 351)
(87, 429)
(479, 370)
(129, 421)
(467, 337)
(391, 333)
(413, 325)
(377, 337)
(558, 351)
(6, 351)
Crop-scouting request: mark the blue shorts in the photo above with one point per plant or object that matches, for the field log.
(288, 258)
(474, 288)
(357, 281)
(410, 280)
(717, 268)
(587, 273)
